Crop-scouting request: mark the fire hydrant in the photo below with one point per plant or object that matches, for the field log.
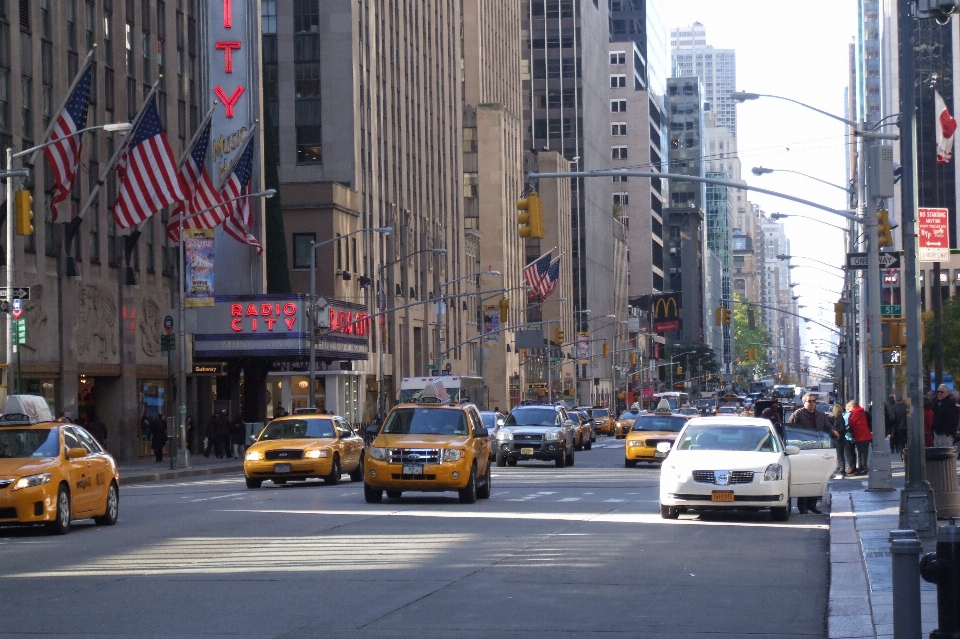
(943, 568)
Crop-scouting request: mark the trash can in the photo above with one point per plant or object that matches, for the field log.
(942, 475)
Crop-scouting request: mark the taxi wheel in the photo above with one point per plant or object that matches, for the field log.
(334, 477)
(61, 525)
(254, 483)
(669, 512)
(468, 494)
(561, 460)
(588, 445)
(394, 494)
(629, 463)
(357, 474)
(511, 462)
(372, 495)
(484, 492)
(501, 459)
(111, 508)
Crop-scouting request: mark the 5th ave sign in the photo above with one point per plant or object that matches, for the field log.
(858, 261)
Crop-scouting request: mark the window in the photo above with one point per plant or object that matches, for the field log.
(618, 106)
(302, 245)
(619, 153)
(618, 81)
(618, 128)
(618, 57)
(306, 47)
(619, 178)
(471, 185)
(621, 199)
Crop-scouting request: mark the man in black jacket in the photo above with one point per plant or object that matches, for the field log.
(810, 418)
(945, 415)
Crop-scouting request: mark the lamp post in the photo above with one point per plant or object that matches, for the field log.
(780, 216)
(790, 257)
(880, 475)
(383, 230)
(120, 127)
(177, 441)
(381, 307)
(759, 170)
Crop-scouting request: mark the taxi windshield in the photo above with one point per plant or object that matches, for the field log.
(600, 412)
(298, 429)
(24, 442)
(659, 423)
(426, 421)
(533, 416)
(746, 438)
(628, 416)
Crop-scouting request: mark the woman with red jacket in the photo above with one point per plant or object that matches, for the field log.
(857, 423)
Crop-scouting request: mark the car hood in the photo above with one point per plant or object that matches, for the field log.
(22, 466)
(420, 441)
(652, 434)
(722, 459)
(292, 444)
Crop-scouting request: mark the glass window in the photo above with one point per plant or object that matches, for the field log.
(86, 440)
(298, 429)
(301, 249)
(70, 440)
(31, 442)
(426, 421)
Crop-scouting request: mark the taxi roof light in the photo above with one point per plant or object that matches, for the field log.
(25, 409)
(433, 393)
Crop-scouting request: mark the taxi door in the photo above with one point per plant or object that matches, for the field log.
(351, 445)
(81, 472)
(100, 463)
(480, 445)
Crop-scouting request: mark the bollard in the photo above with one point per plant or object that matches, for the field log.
(943, 568)
(905, 548)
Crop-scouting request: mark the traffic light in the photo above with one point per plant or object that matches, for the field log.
(894, 333)
(679, 369)
(722, 316)
(24, 216)
(531, 217)
(504, 309)
(558, 335)
(884, 232)
(838, 312)
(606, 349)
(633, 359)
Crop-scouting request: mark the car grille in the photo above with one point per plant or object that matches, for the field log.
(283, 454)
(652, 443)
(525, 437)
(736, 477)
(736, 498)
(5, 482)
(413, 456)
(8, 513)
(414, 477)
(535, 447)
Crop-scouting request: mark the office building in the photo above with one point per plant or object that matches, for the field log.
(716, 68)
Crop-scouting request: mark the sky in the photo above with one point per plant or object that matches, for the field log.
(798, 50)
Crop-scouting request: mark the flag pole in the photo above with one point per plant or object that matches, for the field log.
(63, 105)
(541, 255)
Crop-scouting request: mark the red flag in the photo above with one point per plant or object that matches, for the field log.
(946, 126)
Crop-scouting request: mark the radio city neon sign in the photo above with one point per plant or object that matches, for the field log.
(265, 316)
(228, 47)
(349, 323)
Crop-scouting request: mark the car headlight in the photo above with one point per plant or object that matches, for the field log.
(553, 435)
(253, 455)
(452, 454)
(32, 480)
(378, 453)
(635, 442)
(774, 472)
(504, 435)
(317, 454)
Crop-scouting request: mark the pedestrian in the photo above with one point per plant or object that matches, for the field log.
(857, 422)
(810, 418)
(889, 420)
(900, 426)
(210, 441)
(97, 428)
(191, 433)
(221, 432)
(280, 412)
(158, 437)
(775, 415)
(944, 418)
(844, 448)
(237, 433)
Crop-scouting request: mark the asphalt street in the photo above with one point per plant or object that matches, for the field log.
(573, 552)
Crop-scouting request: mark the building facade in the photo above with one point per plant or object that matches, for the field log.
(716, 68)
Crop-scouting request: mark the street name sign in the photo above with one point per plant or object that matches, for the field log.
(168, 343)
(858, 261)
(894, 310)
(19, 293)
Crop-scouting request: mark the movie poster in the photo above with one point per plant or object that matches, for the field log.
(198, 257)
(583, 347)
(491, 325)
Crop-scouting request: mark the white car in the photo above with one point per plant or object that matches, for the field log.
(741, 463)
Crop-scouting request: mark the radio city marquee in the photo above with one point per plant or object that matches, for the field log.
(276, 326)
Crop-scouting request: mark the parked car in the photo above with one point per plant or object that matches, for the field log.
(587, 421)
(625, 423)
(603, 421)
(492, 420)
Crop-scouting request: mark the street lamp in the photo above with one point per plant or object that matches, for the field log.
(381, 307)
(120, 127)
(790, 257)
(779, 216)
(759, 170)
(314, 245)
(815, 268)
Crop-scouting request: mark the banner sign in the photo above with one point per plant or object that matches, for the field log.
(666, 311)
(583, 347)
(199, 261)
(932, 230)
(491, 324)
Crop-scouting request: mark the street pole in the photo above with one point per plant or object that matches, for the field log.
(917, 511)
(176, 444)
(7, 318)
(381, 307)
(312, 335)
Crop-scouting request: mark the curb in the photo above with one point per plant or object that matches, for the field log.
(178, 474)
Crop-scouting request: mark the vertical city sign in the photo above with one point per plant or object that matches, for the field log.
(932, 229)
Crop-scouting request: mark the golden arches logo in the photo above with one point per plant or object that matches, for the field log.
(665, 303)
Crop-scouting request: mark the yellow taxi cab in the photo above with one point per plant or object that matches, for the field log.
(298, 447)
(52, 473)
(625, 423)
(431, 444)
(648, 431)
(603, 421)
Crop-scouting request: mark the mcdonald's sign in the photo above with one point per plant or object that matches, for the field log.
(666, 313)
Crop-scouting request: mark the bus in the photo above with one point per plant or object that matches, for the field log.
(460, 388)
(675, 399)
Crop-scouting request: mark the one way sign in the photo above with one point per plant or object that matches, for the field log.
(858, 261)
(19, 293)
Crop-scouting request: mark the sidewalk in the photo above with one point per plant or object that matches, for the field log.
(147, 470)
(861, 598)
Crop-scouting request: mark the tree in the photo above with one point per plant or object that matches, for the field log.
(950, 326)
(745, 338)
(699, 360)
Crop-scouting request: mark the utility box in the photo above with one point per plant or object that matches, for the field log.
(879, 171)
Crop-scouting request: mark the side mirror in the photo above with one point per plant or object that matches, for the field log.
(76, 453)
(663, 447)
(792, 450)
(480, 431)
(501, 422)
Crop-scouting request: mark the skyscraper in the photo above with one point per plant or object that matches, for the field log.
(716, 68)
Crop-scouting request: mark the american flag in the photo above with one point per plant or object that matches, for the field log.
(149, 179)
(551, 279)
(239, 217)
(64, 156)
(201, 193)
(535, 275)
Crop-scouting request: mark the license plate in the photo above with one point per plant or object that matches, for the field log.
(659, 453)
(281, 468)
(413, 469)
(722, 495)
(526, 451)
